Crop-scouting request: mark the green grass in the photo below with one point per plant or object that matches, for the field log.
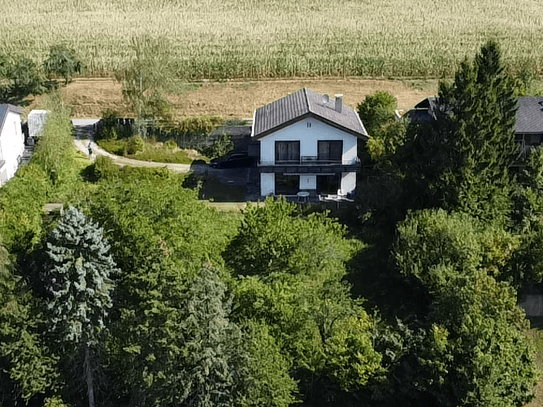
(280, 38)
(155, 152)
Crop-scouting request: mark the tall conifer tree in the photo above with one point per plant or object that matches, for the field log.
(461, 161)
(77, 277)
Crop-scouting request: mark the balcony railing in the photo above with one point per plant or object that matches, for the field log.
(309, 161)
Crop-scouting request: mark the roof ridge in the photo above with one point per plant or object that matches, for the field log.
(307, 99)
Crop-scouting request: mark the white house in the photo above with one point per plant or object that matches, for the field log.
(308, 145)
(12, 141)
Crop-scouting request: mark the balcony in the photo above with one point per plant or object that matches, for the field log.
(309, 164)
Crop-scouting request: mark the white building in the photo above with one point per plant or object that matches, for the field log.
(12, 141)
(308, 145)
(36, 123)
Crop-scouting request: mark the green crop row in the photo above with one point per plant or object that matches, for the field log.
(280, 38)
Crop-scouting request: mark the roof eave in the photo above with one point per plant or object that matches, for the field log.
(303, 117)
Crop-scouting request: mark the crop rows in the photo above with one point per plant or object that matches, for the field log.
(280, 38)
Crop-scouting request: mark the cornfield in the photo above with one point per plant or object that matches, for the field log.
(208, 39)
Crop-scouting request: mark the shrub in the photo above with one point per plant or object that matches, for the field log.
(170, 145)
(105, 168)
(222, 146)
(117, 147)
(21, 206)
(135, 145)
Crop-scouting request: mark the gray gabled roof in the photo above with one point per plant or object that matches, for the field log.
(529, 115)
(300, 105)
(4, 110)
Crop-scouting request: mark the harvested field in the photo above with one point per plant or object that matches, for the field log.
(234, 99)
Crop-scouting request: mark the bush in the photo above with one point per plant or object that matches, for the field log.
(21, 207)
(117, 147)
(170, 145)
(147, 173)
(135, 145)
(222, 146)
(111, 129)
(105, 168)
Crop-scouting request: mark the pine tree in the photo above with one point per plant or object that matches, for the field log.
(211, 344)
(462, 161)
(77, 277)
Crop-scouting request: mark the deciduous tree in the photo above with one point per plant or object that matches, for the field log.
(62, 61)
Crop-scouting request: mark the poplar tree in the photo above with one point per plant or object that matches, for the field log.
(77, 279)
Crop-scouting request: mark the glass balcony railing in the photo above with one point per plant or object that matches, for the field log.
(310, 161)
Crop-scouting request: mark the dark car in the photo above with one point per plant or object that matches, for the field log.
(236, 160)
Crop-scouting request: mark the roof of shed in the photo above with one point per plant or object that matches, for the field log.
(301, 104)
(4, 110)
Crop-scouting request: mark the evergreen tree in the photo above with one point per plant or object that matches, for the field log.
(461, 161)
(77, 279)
(201, 365)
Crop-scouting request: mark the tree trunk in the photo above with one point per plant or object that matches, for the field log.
(88, 373)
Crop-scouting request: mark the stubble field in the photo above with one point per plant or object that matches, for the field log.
(280, 38)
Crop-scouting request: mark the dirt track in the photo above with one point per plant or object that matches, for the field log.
(233, 99)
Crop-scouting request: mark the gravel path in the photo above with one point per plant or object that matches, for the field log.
(84, 134)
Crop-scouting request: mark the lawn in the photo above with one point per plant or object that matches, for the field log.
(281, 38)
(152, 151)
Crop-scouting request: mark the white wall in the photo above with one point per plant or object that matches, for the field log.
(267, 184)
(348, 182)
(11, 144)
(308, 181)
(308, 136)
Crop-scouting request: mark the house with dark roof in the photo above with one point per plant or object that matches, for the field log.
(528, 128)
(306, 145)
(11, 141)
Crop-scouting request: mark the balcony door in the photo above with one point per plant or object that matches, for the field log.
(330, 151)
(287, 152)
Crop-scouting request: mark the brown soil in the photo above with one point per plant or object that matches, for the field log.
(232, 99)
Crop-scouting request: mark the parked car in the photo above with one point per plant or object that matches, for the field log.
(235, 160)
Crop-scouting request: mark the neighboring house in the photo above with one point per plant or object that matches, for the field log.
(528, 128)
(11, 141)
(306, 145)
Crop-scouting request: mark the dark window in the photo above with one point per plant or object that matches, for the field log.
(287, 151)
(330, 150)
(328, 184)
(287, 184)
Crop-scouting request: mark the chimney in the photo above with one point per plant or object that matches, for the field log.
(339, 102)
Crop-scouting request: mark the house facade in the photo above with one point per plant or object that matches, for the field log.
(11, 141)
(306, 144)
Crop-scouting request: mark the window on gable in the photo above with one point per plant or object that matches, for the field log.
(330, 150)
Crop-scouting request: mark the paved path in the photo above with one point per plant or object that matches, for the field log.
(84, 134)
